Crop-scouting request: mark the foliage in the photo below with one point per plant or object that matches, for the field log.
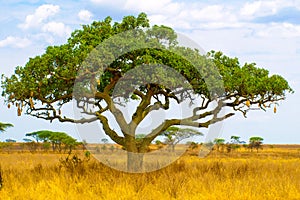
(192, 145)
(104, 140)
(27, 140)
(174, 135)
(235, 143)
(46, 146)
(255, 143)
(158, 142)
(219, 142)
(10, 140)
(4, 126)
(235, 139)
(57, 139)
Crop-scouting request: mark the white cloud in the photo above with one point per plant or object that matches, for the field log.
(41, 14)
(205, 16)
(264, 7)
(182, 15)
(285, 30)
(85, 15)
(57, 28)
(153, 7)
(196, 16)
(249, 9)
(112, 3)
(208, 13)
(15, 42)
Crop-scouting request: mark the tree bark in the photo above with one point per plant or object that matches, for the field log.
(135, 155)
(135, 162)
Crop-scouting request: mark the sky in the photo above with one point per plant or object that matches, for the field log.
(266, 32)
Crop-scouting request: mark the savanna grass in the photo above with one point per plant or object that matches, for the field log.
(238, 175)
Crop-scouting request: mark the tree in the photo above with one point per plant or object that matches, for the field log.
(42, 135)
(70, 143)
(27, 140)
(72, 71)
(219, 142)
(192, 145)
(4, 126)
(10, 140)
(235, 139)
(174, 135)
(57, 139)
(104, 140)
(255, 143)
(234, 143)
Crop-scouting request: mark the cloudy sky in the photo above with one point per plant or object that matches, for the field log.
(266, 32)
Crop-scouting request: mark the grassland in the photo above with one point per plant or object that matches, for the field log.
(273, 173)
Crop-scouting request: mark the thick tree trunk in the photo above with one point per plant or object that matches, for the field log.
(135, 162)
(135, 155)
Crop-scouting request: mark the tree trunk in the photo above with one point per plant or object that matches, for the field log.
(135, 162)
(135, 155)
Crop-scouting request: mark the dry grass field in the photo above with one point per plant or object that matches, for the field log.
(272, 173)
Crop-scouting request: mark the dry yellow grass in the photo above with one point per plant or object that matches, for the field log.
(270, 174)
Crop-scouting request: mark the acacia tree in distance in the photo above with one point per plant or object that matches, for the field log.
(174, 135)
(219, 142)
(45, 84)
(255, 143)
(57, 139)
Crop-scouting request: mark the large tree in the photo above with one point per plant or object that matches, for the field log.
(80, 70)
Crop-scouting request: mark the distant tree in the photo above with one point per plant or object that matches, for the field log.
(46, 146)
(27, 140)
(219, 142)
(57, 139)
(10, 140)
(235, 139)
(174, 135)
(140, 137)
(32, 146)
(255, 143)
(104, 140)
(192, 145)
(234, 143)
(112, 148)
(42, 135)
(158, 142)
(70, 143)
(104, 148)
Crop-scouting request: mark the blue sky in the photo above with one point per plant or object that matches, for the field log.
(266, 32)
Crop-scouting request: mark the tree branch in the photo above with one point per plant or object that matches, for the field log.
(108, 131)
(115, 111)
